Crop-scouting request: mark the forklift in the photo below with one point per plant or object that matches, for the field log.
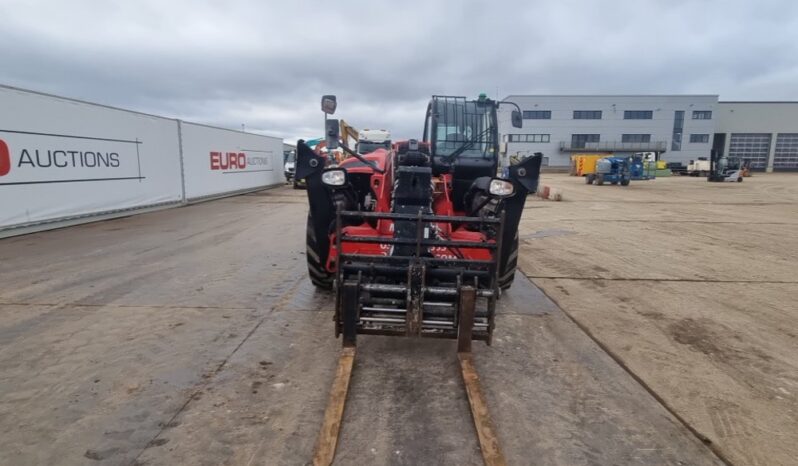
(720, 171)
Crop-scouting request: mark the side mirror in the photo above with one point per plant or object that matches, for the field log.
(517, 120)
(333, 134)
(328, 104)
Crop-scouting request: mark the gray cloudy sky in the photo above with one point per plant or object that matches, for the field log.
(266, 63)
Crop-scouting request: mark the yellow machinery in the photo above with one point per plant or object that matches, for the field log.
(349, 138)
(349, 132)
(585, 164)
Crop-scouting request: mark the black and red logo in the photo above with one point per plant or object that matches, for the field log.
(5, 158)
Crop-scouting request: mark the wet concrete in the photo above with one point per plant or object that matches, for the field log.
(192, 336)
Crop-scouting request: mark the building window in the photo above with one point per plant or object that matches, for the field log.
(587, 114)
(538, 138)
(537, 114)
(699, 138)
(702, 115)
(529, 137)
(578, 141)
(678, 129)
(636, 138)
(638, 115)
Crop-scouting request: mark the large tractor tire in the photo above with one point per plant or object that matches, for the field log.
(589, 178)
(507, 273)
(625, 182)
(316, 268)
(600, 179)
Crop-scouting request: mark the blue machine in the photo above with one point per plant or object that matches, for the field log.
(638, 169)
(613, 170)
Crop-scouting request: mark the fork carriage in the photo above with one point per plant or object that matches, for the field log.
(416, 294)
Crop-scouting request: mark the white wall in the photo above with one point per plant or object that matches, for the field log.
(64, 161)
(757, 117)
(66, 158)
(773, 120)
(218, 161)
(612, 125)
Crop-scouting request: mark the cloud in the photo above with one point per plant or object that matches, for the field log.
(266, 64)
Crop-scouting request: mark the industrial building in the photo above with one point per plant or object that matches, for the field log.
(678, 128)
(766, 133)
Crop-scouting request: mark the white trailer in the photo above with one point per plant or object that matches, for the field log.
(700, 167)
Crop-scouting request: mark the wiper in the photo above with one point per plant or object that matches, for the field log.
(465, 146)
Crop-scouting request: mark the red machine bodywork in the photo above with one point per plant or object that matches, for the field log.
(381, 186)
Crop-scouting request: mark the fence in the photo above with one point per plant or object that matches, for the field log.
(64, 161)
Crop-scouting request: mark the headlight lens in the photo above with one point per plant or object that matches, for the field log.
(336, 177)
(501, 188)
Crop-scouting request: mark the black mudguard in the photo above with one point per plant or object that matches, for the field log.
(309, 166)
(525, 177)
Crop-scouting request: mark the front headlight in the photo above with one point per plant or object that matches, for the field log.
(501, 188)
(334, 177)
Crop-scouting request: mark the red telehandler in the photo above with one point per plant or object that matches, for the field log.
(417, 241)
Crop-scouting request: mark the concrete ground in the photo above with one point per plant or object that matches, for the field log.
(192, 336)
(693, 287)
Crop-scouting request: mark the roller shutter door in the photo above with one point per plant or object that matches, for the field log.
(786, 153)
(753, 147)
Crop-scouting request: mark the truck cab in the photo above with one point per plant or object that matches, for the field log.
(370, 140)
(289, 165)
